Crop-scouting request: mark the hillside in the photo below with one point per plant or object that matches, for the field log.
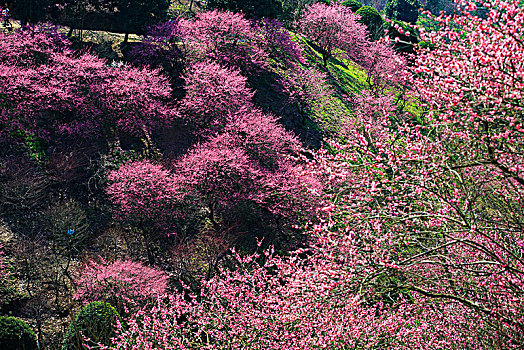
(216, 180)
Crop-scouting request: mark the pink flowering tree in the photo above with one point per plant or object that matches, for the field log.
(481, 87)
(434, 213)
(262, 137)
(219, 174)
(280, 42)
(137, 100)
(145, 194)
(255, 161)
(35, 45)
(224, 37)
(213, 93)
(121, 283)
(335, 30)
(288, 190)
(47, 91)
(475, 98)
(385, 68)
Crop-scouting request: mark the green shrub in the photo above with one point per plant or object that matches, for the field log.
(373, 20)
(96, 321)
(353, 5)
(15, 334)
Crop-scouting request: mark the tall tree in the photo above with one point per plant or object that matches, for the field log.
(335, 30)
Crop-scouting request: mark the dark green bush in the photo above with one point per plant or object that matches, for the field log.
(373, 20)
(403, 10)
(353, 5)
(96, 321)
(15, 334)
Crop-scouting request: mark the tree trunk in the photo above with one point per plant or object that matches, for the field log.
(149, 249)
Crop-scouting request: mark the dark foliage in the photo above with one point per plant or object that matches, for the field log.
(125, 16)
(31, 11)
(437, 6)
(15, 334)
(251, 8)
(134, 16)
(403, 10)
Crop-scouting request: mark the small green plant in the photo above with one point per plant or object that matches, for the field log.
(94, 324)
(15, 334)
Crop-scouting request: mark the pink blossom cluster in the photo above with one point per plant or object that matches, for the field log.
(293, 303)
(218, 175)
(146, 194)
(120, 282)
(431, 200)
(213, 93)
(47, 91)
(225, 37)
(335, 30)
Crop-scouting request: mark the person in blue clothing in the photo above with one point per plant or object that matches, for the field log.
(6, 22)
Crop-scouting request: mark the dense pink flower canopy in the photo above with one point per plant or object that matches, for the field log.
(48, 91)
(212, 94)
(145, 192)
(335, 30)
(406, 232)
(125, 281)
(224, 37)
